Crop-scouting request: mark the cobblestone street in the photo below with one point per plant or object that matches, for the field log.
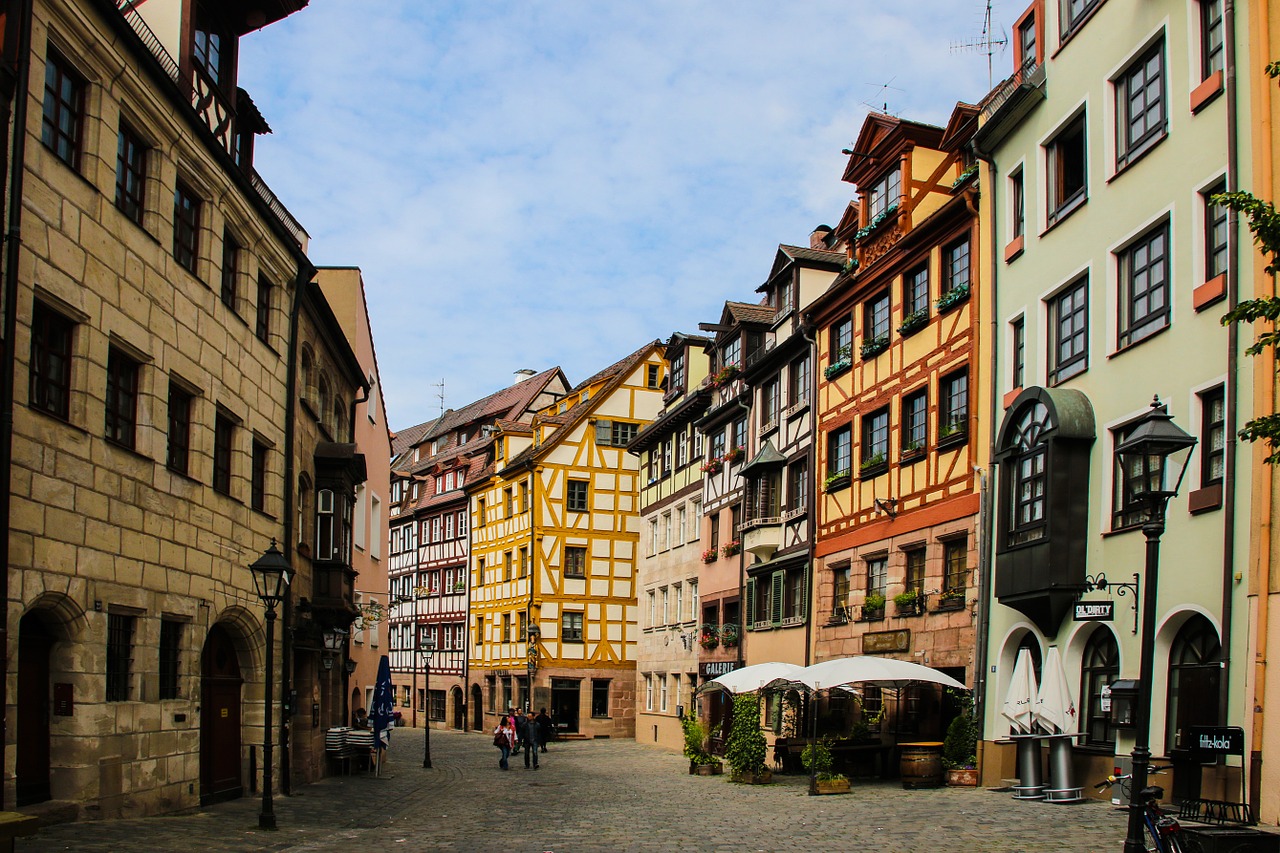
(596, 795)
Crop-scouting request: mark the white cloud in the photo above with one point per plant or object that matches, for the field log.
(535, 183)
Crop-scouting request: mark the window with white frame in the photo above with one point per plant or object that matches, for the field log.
(1141, 108)
(1143, 268)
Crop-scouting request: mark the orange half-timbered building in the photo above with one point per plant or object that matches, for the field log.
(899, 441)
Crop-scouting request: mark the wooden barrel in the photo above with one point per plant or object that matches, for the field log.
(921, 766)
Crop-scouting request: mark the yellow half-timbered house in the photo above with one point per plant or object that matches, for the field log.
(554, 541)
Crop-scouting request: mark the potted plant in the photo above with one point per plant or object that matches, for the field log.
(710, 555)
(729, 635)
(912, 449)
(872, 347)
(953, 297)
(732, 548)
(952, 427)
(816, 758)
(839, 362)
(872, 463)
(712, 466)
(701, 762)
(959, 747)
(908, 602)
(733, 454)
(914, 321)
(725, 375)
(873, 606)
(951, 599)
(745, 749)
(710, 637)
(836, 480)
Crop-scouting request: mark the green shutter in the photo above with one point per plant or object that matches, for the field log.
(775, 601)
(749, 616)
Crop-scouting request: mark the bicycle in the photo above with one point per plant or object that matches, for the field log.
(1164, 833)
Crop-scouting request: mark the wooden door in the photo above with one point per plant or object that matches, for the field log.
(220, 719)
(35, 642)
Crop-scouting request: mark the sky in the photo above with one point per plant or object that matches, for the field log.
(554, 182)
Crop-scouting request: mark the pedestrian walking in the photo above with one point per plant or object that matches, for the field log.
(544, 729)
(517, 723)
(504, 738)
(531, 740)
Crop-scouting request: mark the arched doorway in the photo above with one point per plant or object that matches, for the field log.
(1195, 681)
(35, 642)
(477, 709)
(459, 707)
(220, 683)
(355, 705)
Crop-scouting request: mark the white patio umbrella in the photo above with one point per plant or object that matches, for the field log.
(751, 678)
(1021, 696)
(864, 669)
(1055, 707)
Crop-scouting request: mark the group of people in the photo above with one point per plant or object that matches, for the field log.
(527, 732)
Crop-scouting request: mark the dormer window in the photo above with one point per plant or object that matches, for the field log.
(677, 371)
(732, 353)
(213, 47)
(884, 193)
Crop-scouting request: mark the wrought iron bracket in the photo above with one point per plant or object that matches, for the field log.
(1100, 583)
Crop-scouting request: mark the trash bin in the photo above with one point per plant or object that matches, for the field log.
(1232, 839)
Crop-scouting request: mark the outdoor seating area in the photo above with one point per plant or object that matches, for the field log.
(347, 748)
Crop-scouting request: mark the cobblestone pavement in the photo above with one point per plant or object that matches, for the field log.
(595, 796)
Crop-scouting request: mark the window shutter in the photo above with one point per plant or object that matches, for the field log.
(604, 432)
(775, 601)
(749, 617)
(804, 590)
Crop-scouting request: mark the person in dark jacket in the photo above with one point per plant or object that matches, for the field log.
(518, 723)
(545, 730)
(531, 740)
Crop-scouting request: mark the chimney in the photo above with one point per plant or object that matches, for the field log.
(523, 374)
(820, 238)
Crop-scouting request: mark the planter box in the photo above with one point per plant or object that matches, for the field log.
(707, 769)
(765, 778)
(830, 786)
(962, 777)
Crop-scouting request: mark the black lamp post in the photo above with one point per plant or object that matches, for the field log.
(1154, 456)
(426, 645)
(270, 580)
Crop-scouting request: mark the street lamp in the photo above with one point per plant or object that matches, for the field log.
(427, 645)
(333, 638)
(270, 579)
(1154, 456)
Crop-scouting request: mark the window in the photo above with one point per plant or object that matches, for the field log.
(230, 269)
(1074, 13)
(739, 433)
(651, 375)
(615, 433)
(915, 292)
(1213, 437)
(839, 589)
(186, 226)
(1126, 511)
(797, 485)
(732, 352)
(223, 430)
(170, 657)
(508, 502)
(953, 405)
(1069, 332)
(1028, 480)
(1018, 352)
(576, 495)
(884, 193)
(795, 591)
(481, 512)
(120, 628)
(1215, 233)
(675, 380)
(955, 267)
(122, 398)
(666, 541)
(258, 484)
(877, 574)
(506, 627)
(648, 692)
(653, 609)
(1017, 204)
(62, 125)
(571, 627)
(913, 580)
(693, 600)
(1140, 106)
(213, 48)
(915, 427)
(875, 439)
(262, 326)
(600, 697)
(50, 361)
(839, 451)
(841, 341)
(575, 561)
(1027, 42)
(1099, 667)
(1066, 173)
(131, 174)
(1211, 45)
(653, 536)
(955, 565)
(665, 595)
(715, 531)
(480, 642)
(524, 559)
(770, 405)
(875, 320)
(798, 380)
(179, 453)
(1144, 286)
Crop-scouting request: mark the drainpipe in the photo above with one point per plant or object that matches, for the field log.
(530, 635)
(811, 461)
(982, 655)
(742, 556)
(13, 246)
(1266, 390)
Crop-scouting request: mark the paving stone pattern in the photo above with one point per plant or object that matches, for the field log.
(596, 796)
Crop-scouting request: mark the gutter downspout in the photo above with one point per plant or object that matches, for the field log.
(982, 655)
(13, 246)
(1265, 368)
(811, 497)
(531, 636)
(742, 555)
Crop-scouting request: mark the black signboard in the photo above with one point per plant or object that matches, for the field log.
(715, 668)
(1212, 741)
(1094, 611)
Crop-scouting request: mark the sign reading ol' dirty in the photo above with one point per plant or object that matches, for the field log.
(880, 642)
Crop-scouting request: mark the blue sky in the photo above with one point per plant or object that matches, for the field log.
(538, 183)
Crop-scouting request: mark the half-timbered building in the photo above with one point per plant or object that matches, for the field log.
(554, 540)
(900, 446)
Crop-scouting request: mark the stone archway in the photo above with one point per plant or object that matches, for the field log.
(459, 707)
(477, 709)
(33, 752)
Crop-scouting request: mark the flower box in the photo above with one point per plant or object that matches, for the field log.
(710, 555)
(836, 368)
(725, 375)
(733, 454)
(830, 786)
(712, 466)
(731, 549)
(876, 221)
(873, 464)
(953, 297)
(914, 322)
(873, 347)
(835, 481)
(962, 777)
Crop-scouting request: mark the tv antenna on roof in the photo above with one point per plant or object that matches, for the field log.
(440, 393)
(879, 96)
(986, 43)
